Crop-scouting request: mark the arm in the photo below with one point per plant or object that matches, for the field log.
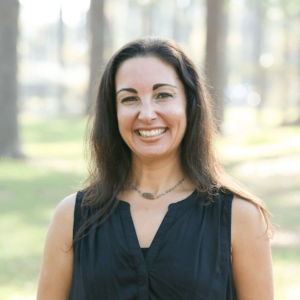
(251, 253)
(57, 264)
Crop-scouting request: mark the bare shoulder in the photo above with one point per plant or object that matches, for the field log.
(246, 218)
(66, 206)
(245, 210)
(251, 252)
(63, 218)
(57, 264)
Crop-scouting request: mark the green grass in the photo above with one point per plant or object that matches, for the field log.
(30, 189)
(287, 272)
(266, 159)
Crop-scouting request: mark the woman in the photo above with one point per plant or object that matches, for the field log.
(159, 218)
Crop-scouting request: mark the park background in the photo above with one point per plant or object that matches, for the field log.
(51, 57)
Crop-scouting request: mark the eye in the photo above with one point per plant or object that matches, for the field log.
(164, 96)
(128, 100)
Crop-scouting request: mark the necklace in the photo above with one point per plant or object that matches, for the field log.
(152, 196)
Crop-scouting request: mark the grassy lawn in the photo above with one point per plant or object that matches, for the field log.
(30, 189)
(266, 160)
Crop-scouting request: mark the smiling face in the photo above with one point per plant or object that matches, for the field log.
(151, 107)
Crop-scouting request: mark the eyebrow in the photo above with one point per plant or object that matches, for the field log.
(127, 90)
(155, 86)
(158, 85)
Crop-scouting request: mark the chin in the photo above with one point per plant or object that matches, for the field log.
(155, 155)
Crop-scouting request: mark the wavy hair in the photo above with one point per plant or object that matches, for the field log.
(110, 157)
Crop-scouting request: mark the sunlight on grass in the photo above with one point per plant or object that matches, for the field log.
(69, 150)
(18, 169)
(287, 272)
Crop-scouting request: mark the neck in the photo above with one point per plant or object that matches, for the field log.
(156, 176)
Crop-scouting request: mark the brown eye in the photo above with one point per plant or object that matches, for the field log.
(164, 96)
(129, 99)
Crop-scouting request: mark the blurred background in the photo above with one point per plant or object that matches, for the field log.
(51, 57)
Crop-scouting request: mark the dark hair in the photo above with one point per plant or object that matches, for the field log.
(110, 157)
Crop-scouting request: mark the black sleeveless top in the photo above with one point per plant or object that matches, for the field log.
(189, 258)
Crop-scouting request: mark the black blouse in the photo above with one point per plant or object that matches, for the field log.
(189, 258)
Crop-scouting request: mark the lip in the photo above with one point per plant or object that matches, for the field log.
(150, 138)
(150, 128)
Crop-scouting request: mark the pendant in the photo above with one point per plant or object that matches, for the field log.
(149, 195)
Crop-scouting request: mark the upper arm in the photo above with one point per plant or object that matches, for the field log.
(251, 253)
(57, 264)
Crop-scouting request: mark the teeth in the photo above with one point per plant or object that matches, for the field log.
(151, 133)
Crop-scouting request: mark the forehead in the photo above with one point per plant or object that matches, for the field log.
(145, 70)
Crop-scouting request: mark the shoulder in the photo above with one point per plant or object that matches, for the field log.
(57, 264)
(251, 252)
(244, 210)
(247, 220)
(63, 218)
(66, 207)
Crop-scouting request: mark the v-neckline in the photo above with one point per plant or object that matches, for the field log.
(131, 234)
(132, 239)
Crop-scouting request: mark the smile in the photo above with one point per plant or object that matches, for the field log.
(151, 133)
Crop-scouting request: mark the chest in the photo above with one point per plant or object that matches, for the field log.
(188, 257)
(146, 222)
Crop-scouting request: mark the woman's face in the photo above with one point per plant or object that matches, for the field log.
(151, 107)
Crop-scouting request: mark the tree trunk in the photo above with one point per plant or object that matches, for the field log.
(147, 12)
(176, 24)
(258, 80)
(9, 140)
(286, 75)
(216, 72)
(61, 42)
(96, 15)
(253, 44)
(298, 120)
(286, 103)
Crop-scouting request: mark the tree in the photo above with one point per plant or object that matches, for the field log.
(61, 41)
(147, 9)
(216, 22)
(291, 11)
(97, 23)
(9, 139)
(253, 44)
(147, 15)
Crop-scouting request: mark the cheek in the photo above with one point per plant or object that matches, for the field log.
(125, 120)
(176, 113)
(178, 109)
(179, 117)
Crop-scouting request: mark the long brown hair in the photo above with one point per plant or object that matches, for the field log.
(110, 157)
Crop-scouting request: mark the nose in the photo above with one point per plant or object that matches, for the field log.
(147, 113)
